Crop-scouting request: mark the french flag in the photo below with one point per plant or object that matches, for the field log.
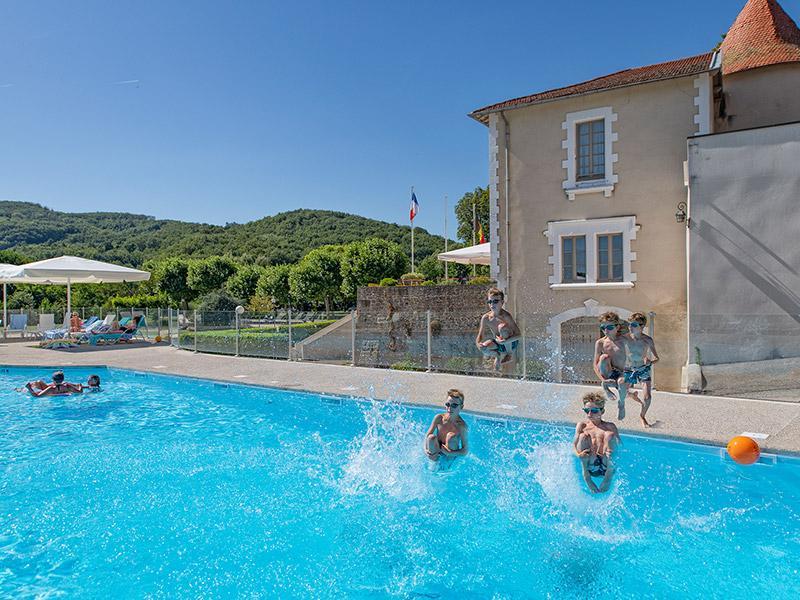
(414, 206)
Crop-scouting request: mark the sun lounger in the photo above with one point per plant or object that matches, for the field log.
(18, 323)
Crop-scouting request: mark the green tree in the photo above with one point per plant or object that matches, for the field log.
(172, 281)
(431, 267)
(480, 197)
(211, 274)
(244, 282)
(274, 284)
(317, 279)
(369, 262)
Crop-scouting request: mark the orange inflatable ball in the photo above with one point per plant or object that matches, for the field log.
(158, 339)
(743, 450)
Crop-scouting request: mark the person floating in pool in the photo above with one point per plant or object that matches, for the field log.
(609, 360)
(59, 387)
(595, 441)
(500, 325)
(447, 435)
(93, 384)
(641, 353)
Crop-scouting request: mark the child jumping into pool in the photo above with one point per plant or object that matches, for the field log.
(609, 360)
(504, 332)
(641, 353)
(595, 441)
(447, 435)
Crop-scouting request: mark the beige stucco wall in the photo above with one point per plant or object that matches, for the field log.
(653, 122)
(761, 97)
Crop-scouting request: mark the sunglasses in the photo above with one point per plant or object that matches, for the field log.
(452, 404)
(593, 411)
(608, 327)
(493, 301)
(634, 324)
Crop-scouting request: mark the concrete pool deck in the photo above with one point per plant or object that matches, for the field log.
(706, 419)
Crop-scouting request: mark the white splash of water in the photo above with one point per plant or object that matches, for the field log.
(388, 457)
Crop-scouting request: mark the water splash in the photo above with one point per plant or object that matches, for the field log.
(388, 457)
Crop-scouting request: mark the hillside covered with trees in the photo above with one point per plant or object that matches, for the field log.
(129, 239)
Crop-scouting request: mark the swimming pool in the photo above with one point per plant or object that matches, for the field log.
(164, 486)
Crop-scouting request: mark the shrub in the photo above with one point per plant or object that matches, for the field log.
(480, 280)
(419, 276)
(217, 308)
(460, 364)
(406, 364)
(388, 282)
(428, 283)
(260, 304)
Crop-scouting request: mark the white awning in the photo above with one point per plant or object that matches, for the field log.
(471, 255)
(73, 269)
(66, 270)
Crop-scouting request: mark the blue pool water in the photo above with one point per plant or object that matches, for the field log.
(170, 487)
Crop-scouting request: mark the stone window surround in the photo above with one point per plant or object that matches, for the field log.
(571, 186)
(591, 228)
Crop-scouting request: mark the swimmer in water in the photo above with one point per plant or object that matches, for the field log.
(447, 435)
(595, 441)
(58, 388)
(93, 384)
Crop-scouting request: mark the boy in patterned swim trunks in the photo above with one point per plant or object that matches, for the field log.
(641, 353)
(609, 360)
(504, 332)
(595, 441)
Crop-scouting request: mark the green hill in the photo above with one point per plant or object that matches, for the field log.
(129, 239)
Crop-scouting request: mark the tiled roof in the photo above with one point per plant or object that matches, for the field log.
(659, 72)
(763, 34)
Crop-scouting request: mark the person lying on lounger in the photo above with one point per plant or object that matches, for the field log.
(447, 435)
(59, 387)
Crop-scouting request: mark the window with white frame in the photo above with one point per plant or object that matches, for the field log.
(592, 252)
(573, 259)
(590, 158)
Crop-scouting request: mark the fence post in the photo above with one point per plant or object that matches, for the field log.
(353, 338)
(158, 320)
(652, 316)
(195, 330)
(236, 314)
(83, 313)
(524, 352)
(289, 349)
(178, 327)
(428, 329)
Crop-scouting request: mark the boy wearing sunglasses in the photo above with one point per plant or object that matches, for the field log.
(610, 359)
(500, 325)
(641, 354)
(595, 441)
(447, 435)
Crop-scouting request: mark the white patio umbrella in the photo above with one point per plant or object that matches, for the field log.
(66, 270)
(471, 255)
(10, 274)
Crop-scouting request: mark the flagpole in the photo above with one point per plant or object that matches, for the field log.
(474, 222)
(445, 235)
(412, 237)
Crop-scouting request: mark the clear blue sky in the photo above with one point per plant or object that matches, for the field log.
(230, 111)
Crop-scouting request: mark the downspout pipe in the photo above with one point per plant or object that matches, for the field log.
(507, 131)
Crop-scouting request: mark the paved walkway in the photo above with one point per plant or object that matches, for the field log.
(706, 419)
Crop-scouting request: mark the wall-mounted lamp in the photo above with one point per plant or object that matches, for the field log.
(680, 214)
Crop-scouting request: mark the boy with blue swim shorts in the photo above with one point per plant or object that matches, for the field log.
(609, 360)
(501, 330)
(640, 351)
